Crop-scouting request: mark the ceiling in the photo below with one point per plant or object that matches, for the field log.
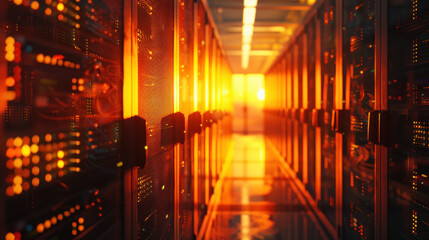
(275, 22)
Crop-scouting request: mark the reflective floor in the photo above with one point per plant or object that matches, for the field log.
(257, 200)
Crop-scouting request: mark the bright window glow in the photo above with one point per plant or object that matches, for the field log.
(261, 94)
(249, 15)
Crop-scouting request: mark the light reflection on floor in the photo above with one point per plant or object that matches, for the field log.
(257, 201)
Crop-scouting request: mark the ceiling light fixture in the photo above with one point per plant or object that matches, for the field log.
(249, 14)
(250, 3)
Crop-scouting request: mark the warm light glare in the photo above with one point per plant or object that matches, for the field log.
(247, 30)
(247, 39)
(245, 48)
(261, 94)
(250, 3)
(249, 15)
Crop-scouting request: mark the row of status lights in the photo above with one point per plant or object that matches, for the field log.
(249, 14)
(62, 7)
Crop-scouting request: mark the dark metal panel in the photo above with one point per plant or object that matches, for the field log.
(155, 183)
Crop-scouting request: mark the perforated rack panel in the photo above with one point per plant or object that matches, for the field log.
(407, 92)
(62, 122)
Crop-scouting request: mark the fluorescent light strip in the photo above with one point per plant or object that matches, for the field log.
(250, 3)
(247, 30)
(249, 14)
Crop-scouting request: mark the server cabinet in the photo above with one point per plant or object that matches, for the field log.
(298, 97)
(61, 128)
(184, 103)
(283, 103)
(199, 70)
(289, 104)
(328, 201)
(359, 84)
(407, 103)
(310, 106)
(155, 183)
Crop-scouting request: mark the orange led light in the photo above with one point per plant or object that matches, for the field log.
(48, 12)
(35, 159)
(10, 95)
(60, 154)
(40, 57)
(48, 137)
(35, 139)
(81, 228)
(9, 164)
(10, 153)
(47, 59)
(10, 41)
(81, 220)
(26, 173)
(40, 228)
(17, 189)
(10, 236)
(26, 186)
(61, 135)
(17, 142)
(60, 217)
(35, 182)
(10, 56)
(9, 191)
(48, 168)
(35, 5)
(25, 150)
(35, 170)
(34, 148)
(18, 152)
(60, 7)
(9, 142)
(17, 180)
(17, 163)
(60, 164)
(54, 220)
(47, 224)
(25, 162)
(26, 140)
(17, 2)
(48, 177)
(10, 48)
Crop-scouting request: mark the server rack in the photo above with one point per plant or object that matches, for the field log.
(122, 126)
(62, 120)
(405, 97)
(369, 116)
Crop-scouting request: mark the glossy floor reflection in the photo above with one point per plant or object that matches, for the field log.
(257, 200)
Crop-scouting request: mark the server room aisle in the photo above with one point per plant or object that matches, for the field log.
(257, 200)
